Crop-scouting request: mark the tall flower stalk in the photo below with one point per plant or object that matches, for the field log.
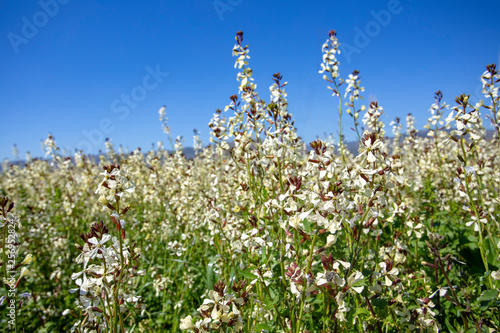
(105, 284)
(330, 65)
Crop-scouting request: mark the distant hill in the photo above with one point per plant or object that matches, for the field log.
(352, 146)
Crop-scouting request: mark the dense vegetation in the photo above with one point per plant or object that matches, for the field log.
(258, 233)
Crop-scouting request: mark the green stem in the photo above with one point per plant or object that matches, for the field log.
(341, 141)
(309, 263)
(457, 302)
(476, 214)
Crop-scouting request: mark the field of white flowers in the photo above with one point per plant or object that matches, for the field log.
(261, 232)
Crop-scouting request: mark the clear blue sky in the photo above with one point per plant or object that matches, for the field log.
(66, 65)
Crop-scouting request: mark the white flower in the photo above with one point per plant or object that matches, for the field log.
(470, 170)
(356, 276)
(442, 291)
(98, 246)
(186, 323)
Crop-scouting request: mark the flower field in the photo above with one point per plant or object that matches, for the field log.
(260, 231)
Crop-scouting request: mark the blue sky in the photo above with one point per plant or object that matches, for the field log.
(86, 70)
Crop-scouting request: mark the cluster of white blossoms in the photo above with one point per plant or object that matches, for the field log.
(95, 278)
(105, 285)
(436, 122)
(489, 79)
(104, 270)
(353, 88)
(50, 147)
(164, 120)
(179, 145)
(372, 120)
(218, 133)
(330, 62)
(466, 122)
(221, 311)
(197, 142)
(116, 183)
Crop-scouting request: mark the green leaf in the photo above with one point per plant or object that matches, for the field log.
(472, 242)
(210, 276)
(273, 293)
(248, 275)
(263, 256)
(271, 302)
(451, 329)
(362, 311)
(379, 302)
(491, 255)
(488, 295)
(367, 272)
(307, 225)
(262, 327)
